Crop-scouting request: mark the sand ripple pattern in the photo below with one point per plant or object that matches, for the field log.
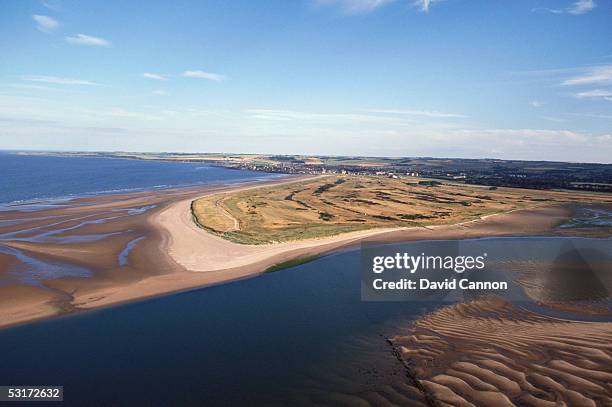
(491, 353)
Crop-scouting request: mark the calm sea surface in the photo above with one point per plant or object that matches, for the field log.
(24, 178)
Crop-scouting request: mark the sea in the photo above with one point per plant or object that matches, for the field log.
(25, 178)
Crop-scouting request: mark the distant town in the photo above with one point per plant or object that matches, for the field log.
(491, 172)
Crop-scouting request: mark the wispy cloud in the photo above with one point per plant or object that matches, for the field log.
(592, 75)
(578, 7)
(57, 80)
(581, 7)
(595, 94)
(278, 115)
(574, 76)
(82, 39)
(595, 115)
(205, 75)
(424, 5)
(367, 6)
(126, 114)
(51, 4)
(159, 92)
(45, 24)
(411, 112)
(536, 103)
(156, 76)
(29, 86)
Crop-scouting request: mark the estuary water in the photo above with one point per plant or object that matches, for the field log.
(298, 335)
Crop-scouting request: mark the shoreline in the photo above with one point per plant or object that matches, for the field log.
(179, 256)
(204, 269)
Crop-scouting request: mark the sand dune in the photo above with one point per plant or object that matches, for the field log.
(198, 250)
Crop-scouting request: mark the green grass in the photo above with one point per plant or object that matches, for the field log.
(288, 234)
(291, 263)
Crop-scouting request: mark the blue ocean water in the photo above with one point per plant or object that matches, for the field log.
(33, 177)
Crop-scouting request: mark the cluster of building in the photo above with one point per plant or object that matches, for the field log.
(480, 172)
(295, 168)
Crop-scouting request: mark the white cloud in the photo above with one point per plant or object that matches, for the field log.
(595, 94)
(204, 75)
(160, 92)
(593, 75)
(159, 77)
(82, 39)
(367, 6)
(426, 113)
(56, 80)
(324, 133)
(536, 103)
(45, 24)
(576, 8)
(550, 10)
(424, 5)
(29, 86)
(581, 7)
(279, 115)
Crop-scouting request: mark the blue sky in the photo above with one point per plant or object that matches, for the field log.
(449, 78)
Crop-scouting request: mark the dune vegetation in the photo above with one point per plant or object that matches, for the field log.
(330, 205)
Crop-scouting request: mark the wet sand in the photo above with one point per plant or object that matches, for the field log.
(490, 353)
(57, 257)
(115, 248)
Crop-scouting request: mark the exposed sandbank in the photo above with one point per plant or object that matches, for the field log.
(206, 259)
(177, 255)
(488, 352)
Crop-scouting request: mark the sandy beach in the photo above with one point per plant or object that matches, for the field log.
(199, 251)
(171, 253)
(206, 259)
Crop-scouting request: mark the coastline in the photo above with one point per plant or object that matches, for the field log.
(177, 255)
(202, 258)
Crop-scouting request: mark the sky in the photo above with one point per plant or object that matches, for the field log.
(520, 79)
